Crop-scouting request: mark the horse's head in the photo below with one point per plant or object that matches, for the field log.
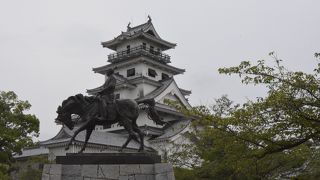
(69, 106)
(64, 118)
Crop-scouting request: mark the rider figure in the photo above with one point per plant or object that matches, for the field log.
(106, 95)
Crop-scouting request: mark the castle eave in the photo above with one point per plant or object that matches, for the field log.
(166, 67)
(118, 86)
(185, 92)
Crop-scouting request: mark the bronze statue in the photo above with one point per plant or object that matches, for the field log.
(126, 112)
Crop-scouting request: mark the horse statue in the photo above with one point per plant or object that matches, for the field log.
(126, 112)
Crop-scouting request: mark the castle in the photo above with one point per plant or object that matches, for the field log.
(143, 71)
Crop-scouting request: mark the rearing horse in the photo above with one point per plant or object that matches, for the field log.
(127, 112)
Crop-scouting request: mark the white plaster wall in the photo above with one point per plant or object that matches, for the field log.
(144, 120)
(137, 42)
(147, 88)
(132, 43)
(128, 93)
(142, 69)
(135, 93)
(139, 69)
(159, 73)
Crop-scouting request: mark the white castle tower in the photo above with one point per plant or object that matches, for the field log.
(143, 72)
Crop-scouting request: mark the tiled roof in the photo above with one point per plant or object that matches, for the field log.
(141, 27)
(32, 152)
(134, 32)
(120, 64)
(174, 129)
(157, 91)
(121, 82)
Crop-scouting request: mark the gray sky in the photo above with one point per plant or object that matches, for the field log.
(48, 48)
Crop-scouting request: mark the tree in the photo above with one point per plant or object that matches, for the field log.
(32, 168)
(276, 136)
(290, 114)
(17, 128)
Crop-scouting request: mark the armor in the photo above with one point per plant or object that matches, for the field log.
(106, 95)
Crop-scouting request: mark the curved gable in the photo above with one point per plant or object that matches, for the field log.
(173, 92)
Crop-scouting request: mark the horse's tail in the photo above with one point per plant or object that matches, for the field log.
(152, 113)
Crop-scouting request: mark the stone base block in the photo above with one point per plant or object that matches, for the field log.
(108, 158)
(158, 171)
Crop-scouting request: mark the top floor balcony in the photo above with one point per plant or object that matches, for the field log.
(138, 51)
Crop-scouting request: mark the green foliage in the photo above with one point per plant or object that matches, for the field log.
(30, 169)
(16, 127)
(38, 159)
(184, 174)
(276, 136)
(4, 168)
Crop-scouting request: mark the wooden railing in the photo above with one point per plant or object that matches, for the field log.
(139, 50)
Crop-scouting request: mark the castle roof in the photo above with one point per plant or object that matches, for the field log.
(158, 90)
(33, 151)
(138, 60)
(146, 31)
(121, 83)
(168, 87)
(173, 129)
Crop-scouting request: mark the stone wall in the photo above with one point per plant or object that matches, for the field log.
(159, 171)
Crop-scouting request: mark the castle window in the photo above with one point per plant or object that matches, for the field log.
(164, 76)
(151, 49)
(128, 49)
(131, 72)
(152, 73)
(144, 46)
(158, 51)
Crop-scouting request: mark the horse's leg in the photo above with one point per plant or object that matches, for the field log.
(83, 127)
(88, 134)
(128, 126)
(126, 143)
(141, 135)
(74, 135)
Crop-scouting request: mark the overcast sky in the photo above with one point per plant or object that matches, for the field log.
(48, 48)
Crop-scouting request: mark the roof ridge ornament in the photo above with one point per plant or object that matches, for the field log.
(149, 19)
(128, 26)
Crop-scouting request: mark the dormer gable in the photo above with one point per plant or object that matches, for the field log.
(151, 33)
(168, 90)
(172, 92)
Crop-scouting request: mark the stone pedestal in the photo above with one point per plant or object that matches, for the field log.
(97, 170)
